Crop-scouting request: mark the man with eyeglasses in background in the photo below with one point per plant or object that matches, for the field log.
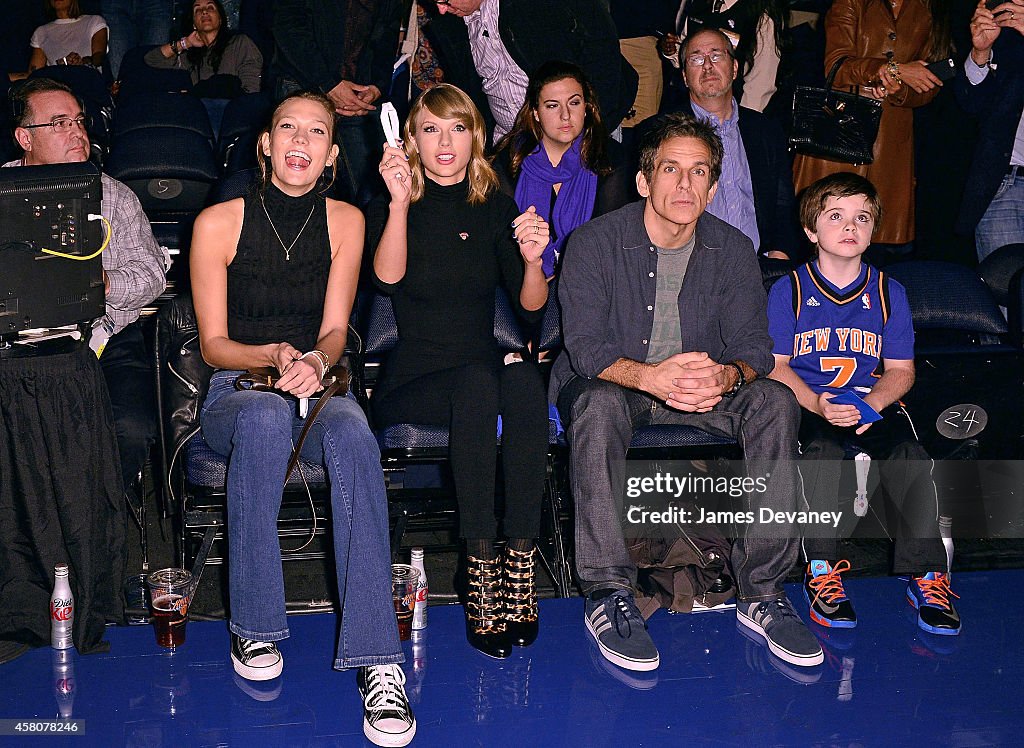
(50, 127)
(755, 191)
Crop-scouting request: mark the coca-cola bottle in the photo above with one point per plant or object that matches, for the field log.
(419, 612)
(62, 609)
(64, 681)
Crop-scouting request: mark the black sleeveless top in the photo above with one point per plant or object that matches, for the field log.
(274, 296)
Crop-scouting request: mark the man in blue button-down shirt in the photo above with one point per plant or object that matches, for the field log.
(690, 349)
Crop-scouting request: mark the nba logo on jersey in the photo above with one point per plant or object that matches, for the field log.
(865, 300)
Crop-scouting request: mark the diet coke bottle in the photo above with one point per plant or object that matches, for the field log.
(419, 612)
(62, 609)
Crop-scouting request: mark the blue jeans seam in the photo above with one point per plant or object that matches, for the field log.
(342, 663)
(260, 636)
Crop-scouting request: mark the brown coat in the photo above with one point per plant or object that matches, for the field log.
(866, 32)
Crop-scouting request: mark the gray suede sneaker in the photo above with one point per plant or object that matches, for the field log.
(777, 623)
(620, 631)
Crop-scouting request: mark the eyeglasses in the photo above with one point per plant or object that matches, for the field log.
(64, 124)
(698, 60)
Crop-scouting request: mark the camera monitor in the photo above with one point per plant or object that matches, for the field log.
(50, 268)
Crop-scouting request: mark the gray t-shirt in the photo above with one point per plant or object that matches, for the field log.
(666, 337)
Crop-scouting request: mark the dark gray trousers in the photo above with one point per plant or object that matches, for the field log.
(600, 418)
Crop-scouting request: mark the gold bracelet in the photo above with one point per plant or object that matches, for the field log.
(894, 71)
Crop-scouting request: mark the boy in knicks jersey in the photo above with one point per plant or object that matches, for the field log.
(841, 326)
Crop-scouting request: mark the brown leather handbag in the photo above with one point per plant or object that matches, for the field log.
(263, 379)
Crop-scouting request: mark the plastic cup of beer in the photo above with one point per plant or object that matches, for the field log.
(404, 580)
(170, 592)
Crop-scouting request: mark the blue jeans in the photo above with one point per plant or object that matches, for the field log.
(1003, 222)
(132, 23)
(255, 431)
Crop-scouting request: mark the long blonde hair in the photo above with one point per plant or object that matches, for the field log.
(449, 102)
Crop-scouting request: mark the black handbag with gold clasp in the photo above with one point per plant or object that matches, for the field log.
(834, 125)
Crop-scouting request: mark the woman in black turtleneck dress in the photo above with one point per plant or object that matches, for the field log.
(447, 240)
(273, 278)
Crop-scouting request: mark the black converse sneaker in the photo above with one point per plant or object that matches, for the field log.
(387, 717)
(255, 660)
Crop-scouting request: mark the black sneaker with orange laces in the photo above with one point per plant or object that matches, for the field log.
(930, 594)
(823, 588)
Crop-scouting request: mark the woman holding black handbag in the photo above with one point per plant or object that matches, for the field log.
(887, 44)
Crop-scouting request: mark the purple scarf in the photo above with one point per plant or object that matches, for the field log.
(574, 204)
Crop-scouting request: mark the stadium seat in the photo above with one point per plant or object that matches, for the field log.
(136, 76)
(171, 171)
(151, 109)
(193, 475)
(243, 119)
(1003, 271)
(965, 355)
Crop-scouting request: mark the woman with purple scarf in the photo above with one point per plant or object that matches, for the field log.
(556, 158)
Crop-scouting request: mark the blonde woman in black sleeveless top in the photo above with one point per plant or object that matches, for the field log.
(274, 276)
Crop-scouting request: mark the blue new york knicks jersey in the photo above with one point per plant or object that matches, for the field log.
(837, 337)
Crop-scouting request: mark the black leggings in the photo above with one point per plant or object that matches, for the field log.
(468, 399)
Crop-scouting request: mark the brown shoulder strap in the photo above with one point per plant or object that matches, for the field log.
(337, 386)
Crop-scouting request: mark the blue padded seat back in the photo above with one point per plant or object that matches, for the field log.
(550, 338)
(234, 185)
(948, 296)
(669, 436)
(170, 170)
(87, 82)
(247, 113)
(772, 270)
(507, 330)
(998, 269)
(382, 330)
(166, 152)
(162, 109)
(243, 119)
(138, 77)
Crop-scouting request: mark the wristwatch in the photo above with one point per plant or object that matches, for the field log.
(739, 382)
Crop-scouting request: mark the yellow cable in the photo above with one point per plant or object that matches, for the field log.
(67, 256)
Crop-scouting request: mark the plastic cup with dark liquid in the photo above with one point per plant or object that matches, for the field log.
(170, 592)
(404, 580)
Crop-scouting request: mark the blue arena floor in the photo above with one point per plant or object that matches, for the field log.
(885, 683)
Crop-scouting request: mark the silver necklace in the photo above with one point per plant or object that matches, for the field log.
(287, 249)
